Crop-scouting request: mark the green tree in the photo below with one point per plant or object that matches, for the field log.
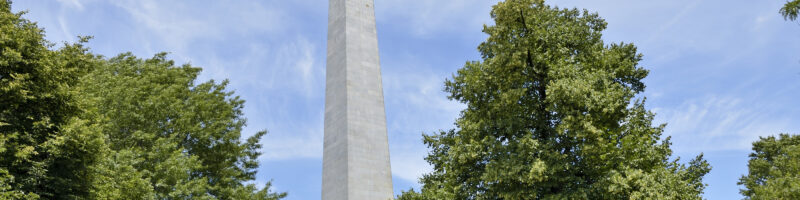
(44, 152)
(790, 10)
(74, 125)
(551, 114)
(171, 137)
(774, 169)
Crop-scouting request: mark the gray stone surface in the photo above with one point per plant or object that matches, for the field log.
(356, 150)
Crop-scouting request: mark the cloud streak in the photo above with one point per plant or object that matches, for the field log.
(721, 123)
(428, 17)
(72, 3)
(180, 24)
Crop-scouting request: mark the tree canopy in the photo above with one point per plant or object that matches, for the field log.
(180, 138)
(790, 10)
(552, 113)
(43, 150)
(774, 169)
(75, 125)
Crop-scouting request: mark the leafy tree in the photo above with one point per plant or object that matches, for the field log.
(774, 169)
(74, 125)
(169, 136)
(43, 151)
(790, 10)
(551, 114)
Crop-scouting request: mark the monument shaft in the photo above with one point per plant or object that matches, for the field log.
(356, 150)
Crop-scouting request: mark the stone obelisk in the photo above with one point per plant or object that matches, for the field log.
(356, 150)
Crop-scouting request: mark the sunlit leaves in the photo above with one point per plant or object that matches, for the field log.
(790, 10)
(774, 169)
(551, 114)
(74, 125)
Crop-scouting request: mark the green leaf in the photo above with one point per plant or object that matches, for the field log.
(551, 114)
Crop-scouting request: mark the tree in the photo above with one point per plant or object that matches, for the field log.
(170, 137)
(790, 10)
(74, 125)
(43, 151)
(774, 169)
(551, 114)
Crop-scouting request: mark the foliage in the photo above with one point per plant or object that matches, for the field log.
(6, 190)
(180, 137)
(790, 10)
(551, 115)
(43, 153)
(774, 169)
(74, 125)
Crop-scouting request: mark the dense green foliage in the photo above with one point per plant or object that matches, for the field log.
(790, 10)
(182, 139)
(774, 169)
(78, 126)
(43, 150)
(551, 114)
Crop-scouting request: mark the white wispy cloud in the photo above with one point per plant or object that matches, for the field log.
(672, 21)
(65, 30)
(434, 16)
(302, 143)
(408, 161)
(720, 123)
(72, 3)
(291, 65)
(301, 55)
(282, 84)
(415, 104)
(275, 72)
(179, 23)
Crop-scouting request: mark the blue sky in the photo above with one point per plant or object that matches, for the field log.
(722, 73)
